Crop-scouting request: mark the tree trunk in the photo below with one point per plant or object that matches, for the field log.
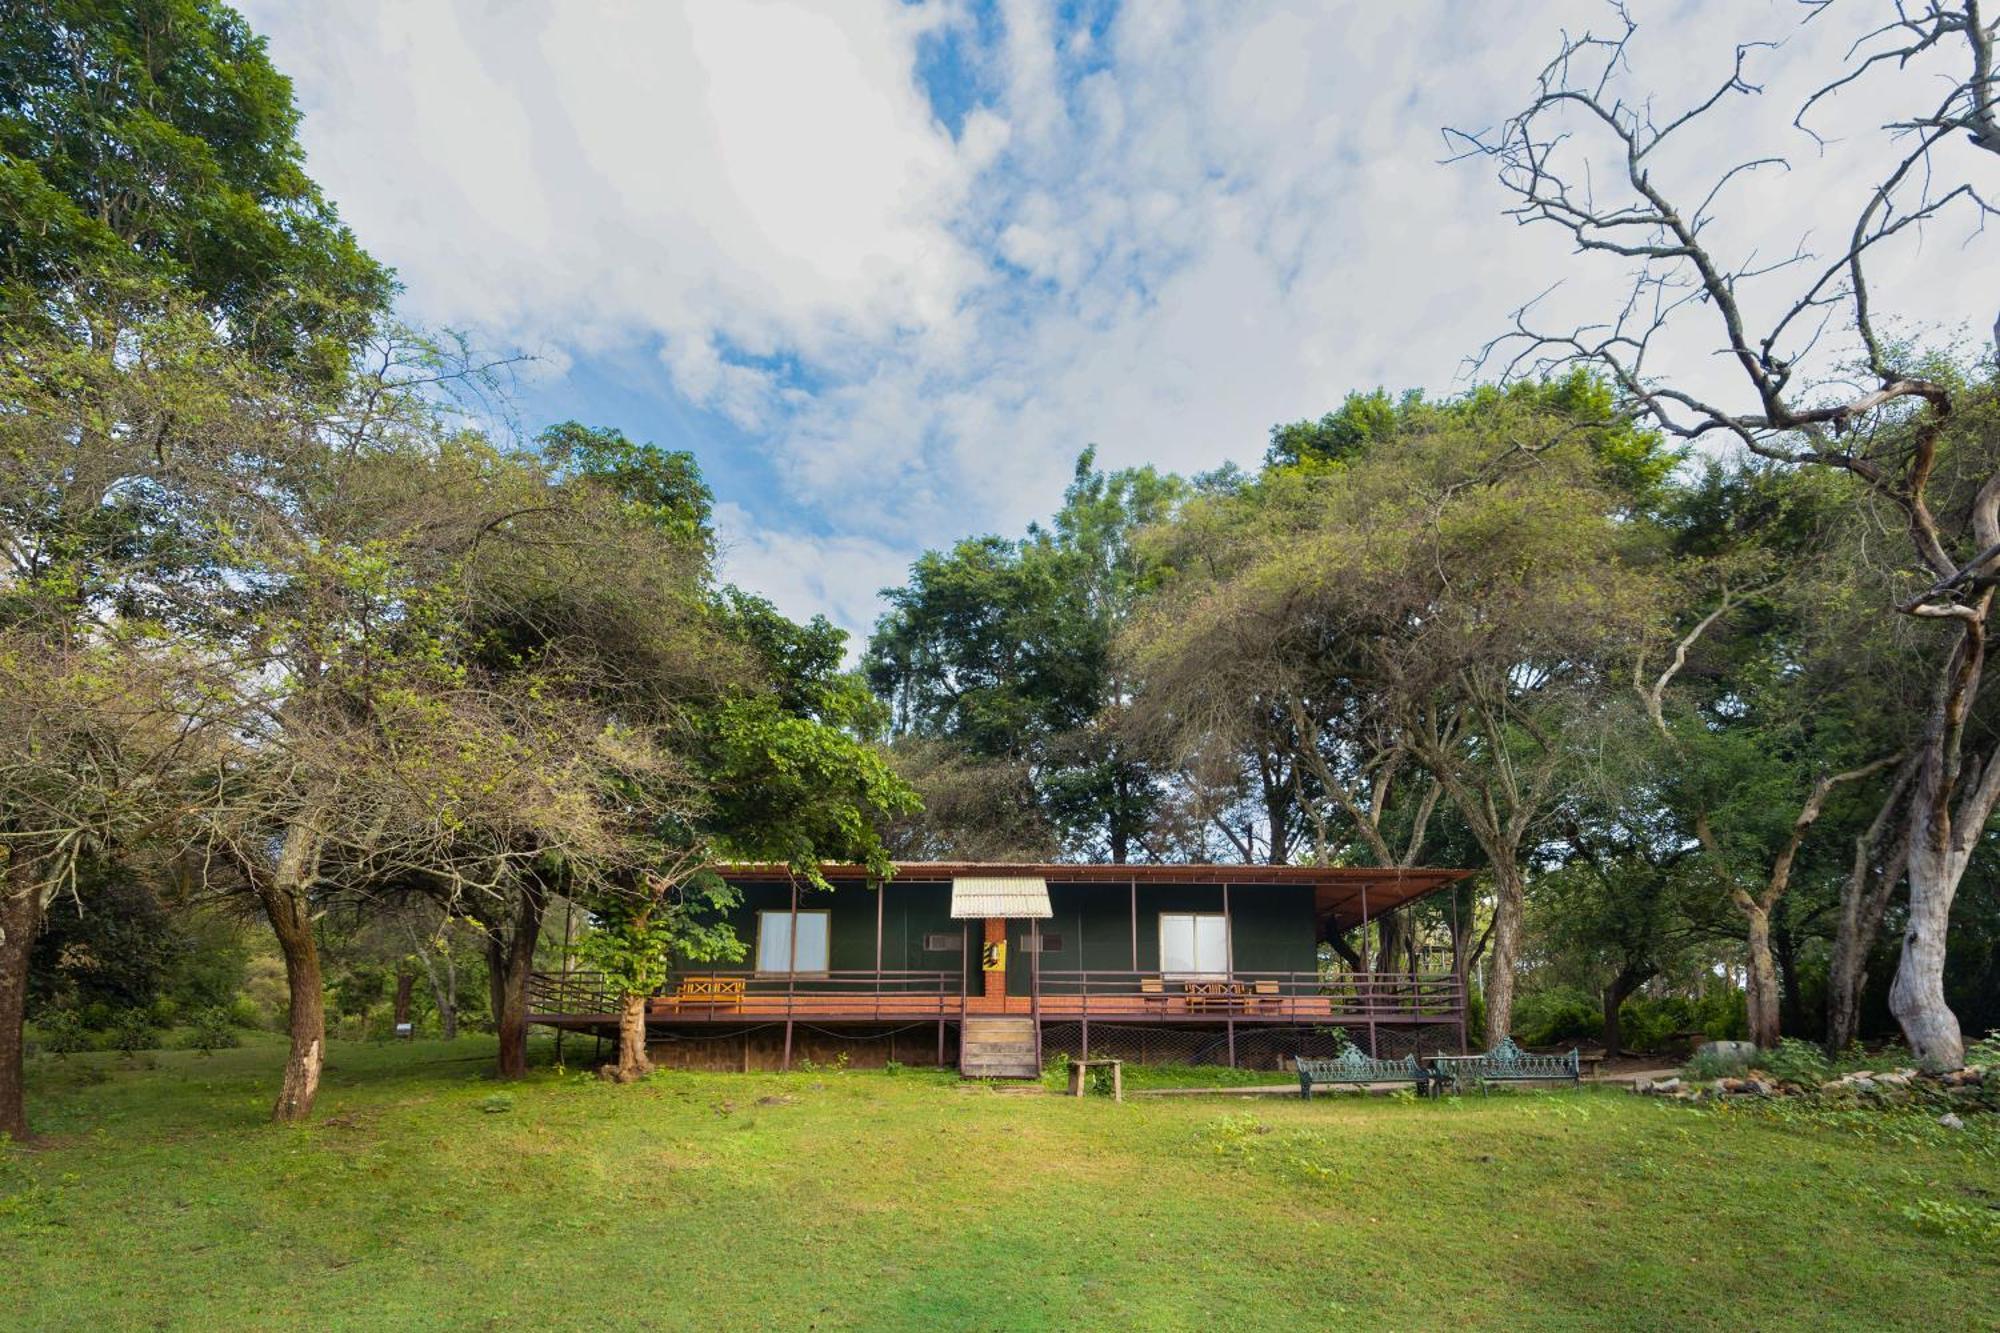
(633, 1062)
(20, 922)
(1761, 988)
(1864, 900)
(406, 985)
(510, 958)
(1785, 952)
(1629, 979)
(291, 922)
(1508, 900)
(447, 1000)
(1916, 996)
(1877, 868)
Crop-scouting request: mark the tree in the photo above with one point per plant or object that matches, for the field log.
(94, 581)
(1477, 579)
(1003, 648)
(1908, 428)
(155, 142)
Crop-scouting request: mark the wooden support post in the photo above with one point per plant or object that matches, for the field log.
(1035, 984)
(1135, 924)
(1458, 971)
(1229, 1025)
(791, 977)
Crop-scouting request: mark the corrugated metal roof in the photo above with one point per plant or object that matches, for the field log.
(1018, 896)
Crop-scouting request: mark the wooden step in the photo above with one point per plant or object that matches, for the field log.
(998, 1048)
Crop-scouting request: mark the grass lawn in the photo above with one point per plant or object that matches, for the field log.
(425, 1195)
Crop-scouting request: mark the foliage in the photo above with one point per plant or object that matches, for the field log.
(1002, 648)
(1795, 1061)
(157, 142)
(1556, 1014)
(62, 1031)
(212, 1030)
(135, 1031)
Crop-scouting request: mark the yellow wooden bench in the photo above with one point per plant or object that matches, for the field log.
(705, 992)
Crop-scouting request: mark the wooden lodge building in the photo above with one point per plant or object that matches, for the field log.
(997, 967)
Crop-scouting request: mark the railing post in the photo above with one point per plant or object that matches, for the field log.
(1083, 989)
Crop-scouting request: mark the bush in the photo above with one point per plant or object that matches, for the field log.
(62, 1032)
(1796, 1061)
(1558, 1014)
(211, 1031)
(1985, 1051)
(134, 1032)
(1704, 1065)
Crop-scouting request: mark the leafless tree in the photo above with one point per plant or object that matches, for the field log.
(1805, 395)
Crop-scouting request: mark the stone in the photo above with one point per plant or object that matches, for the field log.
(1950, 1121)
(1894, 1078)
(1667, 1085)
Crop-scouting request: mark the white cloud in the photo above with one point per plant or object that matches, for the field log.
(804, 575)
(1161, 238)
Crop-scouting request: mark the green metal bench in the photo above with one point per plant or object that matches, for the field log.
(1352, 1067)
(1506, 1063)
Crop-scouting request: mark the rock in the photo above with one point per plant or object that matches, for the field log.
(1950, 1121)
(1895, 1078)
(1759, 1087)
(1667, 1085)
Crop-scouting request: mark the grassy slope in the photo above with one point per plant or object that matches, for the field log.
(872, 1200)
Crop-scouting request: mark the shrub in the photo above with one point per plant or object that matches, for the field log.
(1795, 1061)
(1985, 1051)
(62, 1032)
(1560, 1013)
(1710, 1064)
(211, 1030)
(134, 1032)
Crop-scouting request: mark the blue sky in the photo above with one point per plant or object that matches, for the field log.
(886, 268)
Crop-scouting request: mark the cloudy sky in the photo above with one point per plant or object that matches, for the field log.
(886, 268)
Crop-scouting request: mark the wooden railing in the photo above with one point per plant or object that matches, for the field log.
(722, 993)
(1300, 997)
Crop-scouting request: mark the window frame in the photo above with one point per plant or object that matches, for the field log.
(1228, 967)
(758, 967)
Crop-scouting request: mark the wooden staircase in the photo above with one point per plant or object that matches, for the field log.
(998, 1048)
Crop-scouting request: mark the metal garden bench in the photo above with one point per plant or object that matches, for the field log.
(1354, 1068)
(1506, 1063)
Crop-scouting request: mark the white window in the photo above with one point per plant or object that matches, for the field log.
(1194, 944)
(775, 946)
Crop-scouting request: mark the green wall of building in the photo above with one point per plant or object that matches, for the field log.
(1271, 928)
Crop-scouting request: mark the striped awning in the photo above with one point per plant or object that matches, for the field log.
(1018, 896)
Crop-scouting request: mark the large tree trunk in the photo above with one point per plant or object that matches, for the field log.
(1761, 988)
(633, 1062)
(20, 921)
(1629, 979)
(291, 922)
(1916, 996)
(510, 958)
(1508, 901)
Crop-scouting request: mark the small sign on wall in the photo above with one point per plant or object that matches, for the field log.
(993, 956)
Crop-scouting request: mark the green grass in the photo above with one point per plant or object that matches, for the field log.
(425, 1195)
